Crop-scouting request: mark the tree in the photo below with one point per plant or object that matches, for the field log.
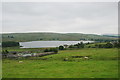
(82, 45)
(88, 43)
(3, 52)
(101, 46)
(108, 45)
(79, 45)
(71, 46)
(52, 49)
(96, 45)
(41, 39)
(61, 48)
(116, 44)
(46, 50)
(119, 43)
(6, 51)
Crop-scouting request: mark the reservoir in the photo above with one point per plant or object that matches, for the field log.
(43, 44)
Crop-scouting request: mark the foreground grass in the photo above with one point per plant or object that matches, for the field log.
(52, 69)
(102, 64)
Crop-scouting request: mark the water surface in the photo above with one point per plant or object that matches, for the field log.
(43, 44)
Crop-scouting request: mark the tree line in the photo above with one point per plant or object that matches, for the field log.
(10, 44)
(96, 45)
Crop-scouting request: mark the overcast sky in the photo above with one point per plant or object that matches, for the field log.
(66, 17)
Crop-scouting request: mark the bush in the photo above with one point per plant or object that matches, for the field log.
(79, 45)
(117, 44)
(108, 45)
(101, 45)
(55, 50)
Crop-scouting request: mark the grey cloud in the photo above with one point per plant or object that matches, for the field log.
(60, 17)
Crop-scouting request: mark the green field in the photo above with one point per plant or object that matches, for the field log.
(102, 63)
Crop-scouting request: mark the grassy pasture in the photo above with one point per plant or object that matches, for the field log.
(102, 63)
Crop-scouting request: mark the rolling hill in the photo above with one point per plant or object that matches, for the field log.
(45, 36)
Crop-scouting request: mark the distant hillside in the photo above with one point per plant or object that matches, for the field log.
(52, 36)
(112, 35)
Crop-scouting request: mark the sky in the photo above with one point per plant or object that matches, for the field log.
(60, 17)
